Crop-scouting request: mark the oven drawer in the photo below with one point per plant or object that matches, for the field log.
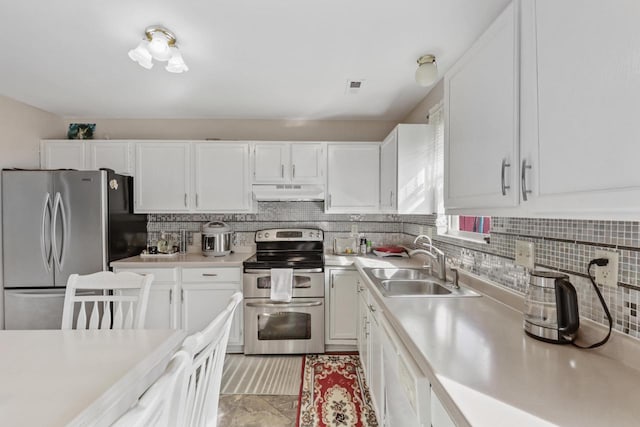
(195, 275)
(284, 328)
(258, 285)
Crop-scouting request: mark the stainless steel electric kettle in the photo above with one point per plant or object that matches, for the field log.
(551, 308)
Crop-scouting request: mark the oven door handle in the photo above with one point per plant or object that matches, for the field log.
(284, 305)
(295, 271)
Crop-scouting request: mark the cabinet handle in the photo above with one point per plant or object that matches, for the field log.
(196, 200)
(185, 200)
(282, 171)
(372, 308)
(182, 296)
(170, 296)
(209, 274)
(502, 179)
(523, 180)
(329, 200)
(293, 171)
(391, 198)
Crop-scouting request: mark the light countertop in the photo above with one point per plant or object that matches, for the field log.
(185, 260)
(475, 353)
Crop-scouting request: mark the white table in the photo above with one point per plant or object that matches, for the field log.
(87, 378)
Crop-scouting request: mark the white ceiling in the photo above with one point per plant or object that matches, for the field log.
(277, 59)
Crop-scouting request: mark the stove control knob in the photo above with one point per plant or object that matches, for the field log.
(266, 235)
(259, 235)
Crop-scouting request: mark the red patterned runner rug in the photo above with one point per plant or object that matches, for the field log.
(333, 393)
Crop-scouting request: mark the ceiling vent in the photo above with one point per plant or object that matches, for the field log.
(354, 86)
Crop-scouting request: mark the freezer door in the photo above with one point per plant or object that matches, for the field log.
(33, 308)
(79, 223)
(27, 208)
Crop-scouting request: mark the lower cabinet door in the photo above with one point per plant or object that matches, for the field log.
(201, 303)
(376, 371)
(162, 308)
(343, 297)
(363, 332)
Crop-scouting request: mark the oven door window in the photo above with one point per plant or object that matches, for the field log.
(284, 325)
(299, 282)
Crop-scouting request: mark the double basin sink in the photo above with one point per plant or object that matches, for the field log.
(413, 282)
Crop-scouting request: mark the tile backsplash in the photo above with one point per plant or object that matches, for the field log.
(561, 244)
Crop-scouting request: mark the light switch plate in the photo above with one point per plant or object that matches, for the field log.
(525, 254)
(607, 275)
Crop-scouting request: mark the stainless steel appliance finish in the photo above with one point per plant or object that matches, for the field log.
(216, 239)
(413, 282)
(56, 223)
(551, 308)
(277, 327)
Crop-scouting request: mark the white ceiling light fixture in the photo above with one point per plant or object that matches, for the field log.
(427, 71)
(159, 44)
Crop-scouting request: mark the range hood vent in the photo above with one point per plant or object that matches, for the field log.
(288, 192)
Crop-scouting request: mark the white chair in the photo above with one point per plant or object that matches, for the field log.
(117, 301)
(207, 349)
(160, 405)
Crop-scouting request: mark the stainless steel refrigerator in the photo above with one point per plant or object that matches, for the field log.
(54, 224)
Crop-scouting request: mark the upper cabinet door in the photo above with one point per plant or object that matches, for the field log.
(62, 154)
(221, 177)
(307, 163)
(271, 163)
(116, 155)
(162, 177)
(389, 172)
(481, 120)
(353, 178)
(581, 105)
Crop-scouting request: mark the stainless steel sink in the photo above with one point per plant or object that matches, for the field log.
(399, 274)
(413, 287)
(413, 282)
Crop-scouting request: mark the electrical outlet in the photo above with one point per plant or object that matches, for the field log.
(525, 254)
(430, 232)
(607, 275)
(354, 228)
(420, 229)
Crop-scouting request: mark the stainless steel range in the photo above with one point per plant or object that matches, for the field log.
(285, 327)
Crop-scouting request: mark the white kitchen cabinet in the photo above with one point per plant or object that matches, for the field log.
(276, 163)
(63, 154)
(205, 293)
(353, 178)
(162, 177)
(221, 177)
(342, 319)
(439, 416)
(481, 121)
(363, 327)
(376, 369)
(190, 298)
(116, 155)
(580, 127)
(406, 177)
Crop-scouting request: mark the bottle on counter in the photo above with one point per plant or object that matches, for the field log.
(369, 246)
(363, 246)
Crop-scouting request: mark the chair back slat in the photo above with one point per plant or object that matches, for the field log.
(82, 317)
(95, 317)
(106, 316)
(207, 349)
(116, 301)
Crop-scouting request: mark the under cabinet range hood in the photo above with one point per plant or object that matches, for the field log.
(288, 192)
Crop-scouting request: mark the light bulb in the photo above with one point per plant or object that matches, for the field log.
(141, 55)
(176, 63)
(427, 71)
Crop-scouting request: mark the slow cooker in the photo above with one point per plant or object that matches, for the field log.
(216, 239)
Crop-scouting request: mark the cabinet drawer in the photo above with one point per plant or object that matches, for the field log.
(211, 275)
(159, 274)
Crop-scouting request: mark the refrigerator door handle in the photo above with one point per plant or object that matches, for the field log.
(54, 227)
(63, 249)
(46, 255)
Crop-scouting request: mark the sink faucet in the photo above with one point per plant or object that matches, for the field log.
(433, 254)
(421, 237)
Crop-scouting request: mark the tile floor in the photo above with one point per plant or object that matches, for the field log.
(252, 410)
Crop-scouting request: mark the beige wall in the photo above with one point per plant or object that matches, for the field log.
(293, 130)
(419, 113)
(21, 128)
